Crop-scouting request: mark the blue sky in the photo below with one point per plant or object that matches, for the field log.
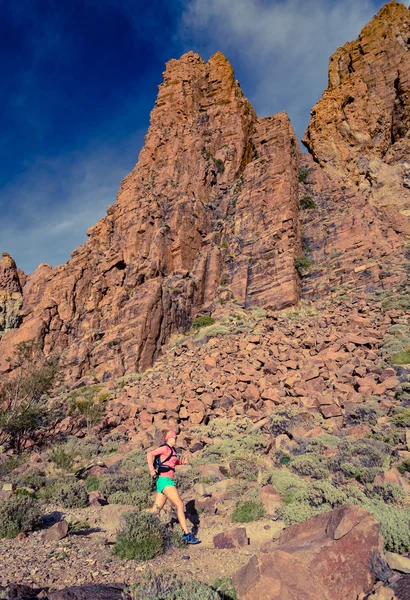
(78, 80)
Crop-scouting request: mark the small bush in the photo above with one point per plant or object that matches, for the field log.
(18, 514)
(401, 418)
(366, 453)
(203, 321)
(23, 396)
(283, 480)
(362, 414)
(300, 511)
(110, 484)
(394, 525)
(142, 538)
(212, 331)
(92, 484)
(302, 264)
(225, 588)
(225, 428)
(88, 447)
(139, 499)
(246, 469)
(303, 175)
(282, 420)
(72, 495)
(404, 466)
(63, 457)
(307, 202)
(248, 511)
(309, 466)
(186, 480)
(324, 492)
(32, 478)
(137, 459)
(170, 586)
(401, 358)
(391, 493)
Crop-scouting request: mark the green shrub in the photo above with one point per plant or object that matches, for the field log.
(23, 396)
(78, 526)
(300, 511)
(137, 459)
(203, 321)
(140, 499)
(92, 484)
(324, 492)
(283, 480)
(246, 469)
(109, 484)
(391, 493)
(18, 514)
(404, 466)
(88, 447)
(212, 331)
(362, 414)
(72, 495)
(225, 588)
(401, 358)
(401, 418)
(394, 525)
(309, 466)
(365, 453)
(63, 457)
(32, 478)
(224, 428)
(142, 538)
(302, 175)
(307, 202)
(250, 510)
(170, 586)
(283, 419)
(112, 441)
(186, 480)
(303, 263)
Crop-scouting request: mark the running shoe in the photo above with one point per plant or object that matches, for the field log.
(188, 538)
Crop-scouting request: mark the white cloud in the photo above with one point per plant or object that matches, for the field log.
(280, 49)
(60, 199)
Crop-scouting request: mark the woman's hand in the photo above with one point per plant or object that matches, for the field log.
(152, 472)
(184, 461)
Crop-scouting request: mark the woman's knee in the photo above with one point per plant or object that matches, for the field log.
(179, 505)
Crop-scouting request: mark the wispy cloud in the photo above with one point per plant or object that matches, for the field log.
(60, 199)
(280, 49)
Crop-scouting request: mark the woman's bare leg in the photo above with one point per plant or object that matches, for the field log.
(159, 503)
(173, 496)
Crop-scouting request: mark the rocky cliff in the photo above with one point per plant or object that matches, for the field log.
(211, 212)
(360, 128)
(11, 297)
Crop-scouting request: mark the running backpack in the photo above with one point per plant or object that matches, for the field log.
(159, 465)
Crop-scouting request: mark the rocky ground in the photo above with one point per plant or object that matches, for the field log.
(284, 395)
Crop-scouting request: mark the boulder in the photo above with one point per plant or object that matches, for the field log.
(233, 538)
(270, 498)
(56, 532)
(327, 556)
(397, 562)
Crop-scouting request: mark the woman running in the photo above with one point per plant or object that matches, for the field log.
(166, 488)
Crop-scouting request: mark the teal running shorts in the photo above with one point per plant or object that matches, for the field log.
(163, 482)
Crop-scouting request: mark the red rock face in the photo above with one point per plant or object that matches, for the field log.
(360, 127)
(210, 210)
(328, 556)
(11, 298)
